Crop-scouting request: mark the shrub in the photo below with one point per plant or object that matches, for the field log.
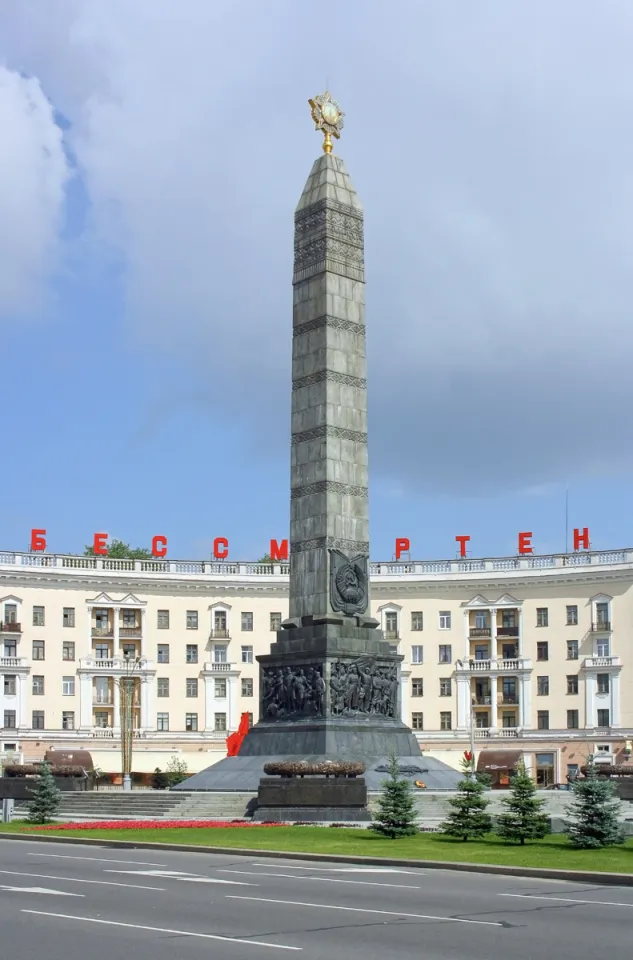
(524, 819)
(396, 816)
(594, 812)
(160, 779)
(46, 797)
(176, 771)
(468, 818)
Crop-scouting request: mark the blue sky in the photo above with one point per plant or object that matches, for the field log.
(147, 195)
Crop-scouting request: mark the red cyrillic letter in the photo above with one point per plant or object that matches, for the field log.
(159, 546)
(278, 551)
(220, 548)
(403, 545)
(38, 539)
(462, 541)
(525, 545)
(100, 545)
(581, 538)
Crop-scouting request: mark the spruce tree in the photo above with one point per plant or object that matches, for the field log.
(594, 812)
(396, 813)
(524, 819)
(46, 797)
(468, 818)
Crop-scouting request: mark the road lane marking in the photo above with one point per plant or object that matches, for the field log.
(294, 866)
(177, 875)
(597, 903)
(179, 933)
(288, 876)
(63, 856)
(58, 893)
(103, 883)
(386, 913)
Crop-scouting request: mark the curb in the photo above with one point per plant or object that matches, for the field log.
(572, 876)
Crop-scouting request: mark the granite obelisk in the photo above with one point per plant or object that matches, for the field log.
(330, 685)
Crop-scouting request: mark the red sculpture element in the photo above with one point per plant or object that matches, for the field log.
(403, 544)
(462, 541)
(278, 551)
(468, 756)
(235, 740)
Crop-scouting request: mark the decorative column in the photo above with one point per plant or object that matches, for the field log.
(520, 643)
(494, 693)
(233, 718)
(615, 700)
(85, 701)
(464, 705)
(590, 700)
(116, 719)
(143, 630)
(525, 702)
(493, 633)
(21, 711)
(89, 647)
(117, 614)
(404, 696)
(467, 634)
(208, 703)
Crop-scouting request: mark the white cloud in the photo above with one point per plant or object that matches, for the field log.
(33, 174)
(493, 150)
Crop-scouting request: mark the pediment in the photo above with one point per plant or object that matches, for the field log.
(131, 601)
(101, 598)
(389, 606)
(10, 599)
(508, 601)
(219, 605)
(601, 598)
(477, 601)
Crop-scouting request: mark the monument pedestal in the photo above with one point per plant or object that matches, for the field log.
(312, 798)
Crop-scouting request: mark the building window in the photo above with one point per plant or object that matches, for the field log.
(417, 687)
(38, 686)
(247, 622)
(542, 650)
(219, 653)
(9, 719)
(101, 719)
(602, 615)
(602, 683)
(162, 722)
(129, 621)
(220, 721)
(102, 651)
(191, 653)
(572, 719)
(68, 650)
(68, 686)
(37, 720)
(481, 620)
(68, 720)
(482, 651)
(275, 621)
(509, 619)
(191, 722)
(445, 687)
(220, 689)
(220, 624)
(572, 649)
(38, 650)
(417, 721)
(162, 687)
(10, 648)
(391, 625)
(10, 685)
(247, 687)
(446, 720)
(604, 718)
(542, 686)
(572, 615)
(38, 616)
(163, 653)
(603, 647)
(247, 654)
(417, 654)
(393, 648)
(129, 651)
(162, 620)
(446, 653)
(417, 620)
(192, 620)
(68, 617)
(542, 617)
(192, 687)
(542, 719)
(10, 613)
(572, 683)
(445, 619)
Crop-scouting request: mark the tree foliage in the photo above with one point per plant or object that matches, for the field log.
(176, 771)
(118, 550)
(594, 812)
(46, 801)
(468, 818)
(524, 819)
(160, 779)
(396, 814)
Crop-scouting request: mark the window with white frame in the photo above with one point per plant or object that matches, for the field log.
(417, 620)
(68, 720)
(220, 689)
(417, 653)
(247, 654)
(603, 647)
(68, 686)
(391, 625)
(191, 687)
(220, 653)
(220, 721)
(38, 686)
(162, 722)
(192, 620)
(247, 622)
(445, 619)
(247, 687)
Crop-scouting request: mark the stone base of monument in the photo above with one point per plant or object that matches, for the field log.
(312, 798)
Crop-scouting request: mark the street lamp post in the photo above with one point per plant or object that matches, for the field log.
(127, 685)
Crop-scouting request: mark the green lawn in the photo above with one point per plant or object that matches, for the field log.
(553, 852)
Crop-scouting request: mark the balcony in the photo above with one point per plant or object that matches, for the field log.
(595, 663)
(220, 633)
(509, 699)
(601, 626)
(501, 733)
(130, 633)
(510, 665)
(476, 633)
(503, 632)
(108, 733)
(214, 667)
(10, 626)
(115, 665)
(483, 701)
(107, 631)
(391, 635)
(14, 663)
(102, 700)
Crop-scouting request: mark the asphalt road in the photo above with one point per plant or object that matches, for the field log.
(74, 902)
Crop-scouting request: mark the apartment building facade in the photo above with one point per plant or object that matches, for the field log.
(528, 653)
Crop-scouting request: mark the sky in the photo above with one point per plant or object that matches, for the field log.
(151, 156)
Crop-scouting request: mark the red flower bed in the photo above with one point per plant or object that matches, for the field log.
(147, 824)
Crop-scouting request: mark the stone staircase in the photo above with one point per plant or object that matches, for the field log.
(146, 805)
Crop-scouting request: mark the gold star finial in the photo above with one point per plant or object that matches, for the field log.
(328, 118)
